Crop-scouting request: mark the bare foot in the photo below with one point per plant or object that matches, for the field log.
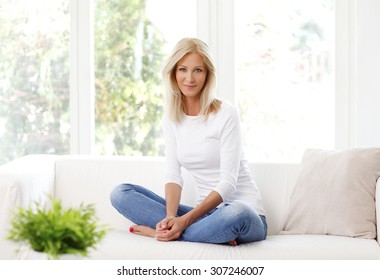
(233, 243)
(143, 230)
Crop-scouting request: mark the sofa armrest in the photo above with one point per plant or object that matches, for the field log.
(378, 210)
(27, 179)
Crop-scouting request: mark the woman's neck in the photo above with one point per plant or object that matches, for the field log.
(192, 106)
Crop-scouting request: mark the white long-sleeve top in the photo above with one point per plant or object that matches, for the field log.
(211, 151)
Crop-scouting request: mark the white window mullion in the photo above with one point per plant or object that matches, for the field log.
(346, 74)
(226, 53)
(203, 20)
(82, 92)
(216, 28)
(367, 79)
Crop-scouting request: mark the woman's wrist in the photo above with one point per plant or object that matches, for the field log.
(189, 218)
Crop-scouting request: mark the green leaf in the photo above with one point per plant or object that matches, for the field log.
(56, 230)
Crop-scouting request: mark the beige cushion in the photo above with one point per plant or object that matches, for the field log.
(335, 194)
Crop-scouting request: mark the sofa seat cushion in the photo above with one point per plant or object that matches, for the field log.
(124, 245)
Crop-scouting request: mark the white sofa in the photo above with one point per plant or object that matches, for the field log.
(90, 179)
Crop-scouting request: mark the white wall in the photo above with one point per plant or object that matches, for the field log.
(368, 73)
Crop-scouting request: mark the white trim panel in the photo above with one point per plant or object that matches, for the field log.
(82, 91)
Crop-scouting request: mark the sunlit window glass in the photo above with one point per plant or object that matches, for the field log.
(34, 77)
(132, 38)
(284, 54)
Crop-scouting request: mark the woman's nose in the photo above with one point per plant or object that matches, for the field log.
(189, 76)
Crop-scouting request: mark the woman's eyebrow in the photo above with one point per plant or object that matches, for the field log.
(200, 66)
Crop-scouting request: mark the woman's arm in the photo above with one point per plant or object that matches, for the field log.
(173, 197)
(172, 175)
(230, 154)
(209, 203)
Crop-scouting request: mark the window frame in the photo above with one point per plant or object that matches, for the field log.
(82, 85)
(215, 25)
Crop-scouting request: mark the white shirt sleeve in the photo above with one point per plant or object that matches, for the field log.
(172, 172)
(230, 153)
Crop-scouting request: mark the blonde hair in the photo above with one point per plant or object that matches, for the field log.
(174, 97)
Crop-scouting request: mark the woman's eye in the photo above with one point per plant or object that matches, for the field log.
(198, 70)
(182, 69)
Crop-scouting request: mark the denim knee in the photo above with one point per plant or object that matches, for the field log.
(117, 193)
(240, 210)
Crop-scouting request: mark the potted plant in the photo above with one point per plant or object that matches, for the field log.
(57, 231)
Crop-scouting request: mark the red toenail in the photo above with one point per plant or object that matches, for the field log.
(131, 229)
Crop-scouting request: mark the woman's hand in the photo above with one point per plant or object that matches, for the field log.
(170, 228)
(164, 224)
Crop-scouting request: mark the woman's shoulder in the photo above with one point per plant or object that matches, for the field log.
(166, 122)
(227, 108)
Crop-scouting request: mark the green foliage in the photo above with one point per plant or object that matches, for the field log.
(34, 79)
(129, 99)
(57, 231)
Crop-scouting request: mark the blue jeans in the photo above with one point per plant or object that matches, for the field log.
(231, 221)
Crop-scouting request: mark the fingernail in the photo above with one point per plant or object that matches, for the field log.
(131, 229)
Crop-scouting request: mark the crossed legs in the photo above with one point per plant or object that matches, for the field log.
(233, 223)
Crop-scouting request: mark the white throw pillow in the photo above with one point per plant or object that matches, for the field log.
(335, 194)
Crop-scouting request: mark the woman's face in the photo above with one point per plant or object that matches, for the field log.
(191, 73)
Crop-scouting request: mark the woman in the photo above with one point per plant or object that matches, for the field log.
(202, 135)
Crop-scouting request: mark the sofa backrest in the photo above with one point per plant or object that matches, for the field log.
(276, 182)
(90, 179)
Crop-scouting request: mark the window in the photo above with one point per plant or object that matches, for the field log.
(275, 60)
(132, 39)
(34, 78)
(284, 65)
